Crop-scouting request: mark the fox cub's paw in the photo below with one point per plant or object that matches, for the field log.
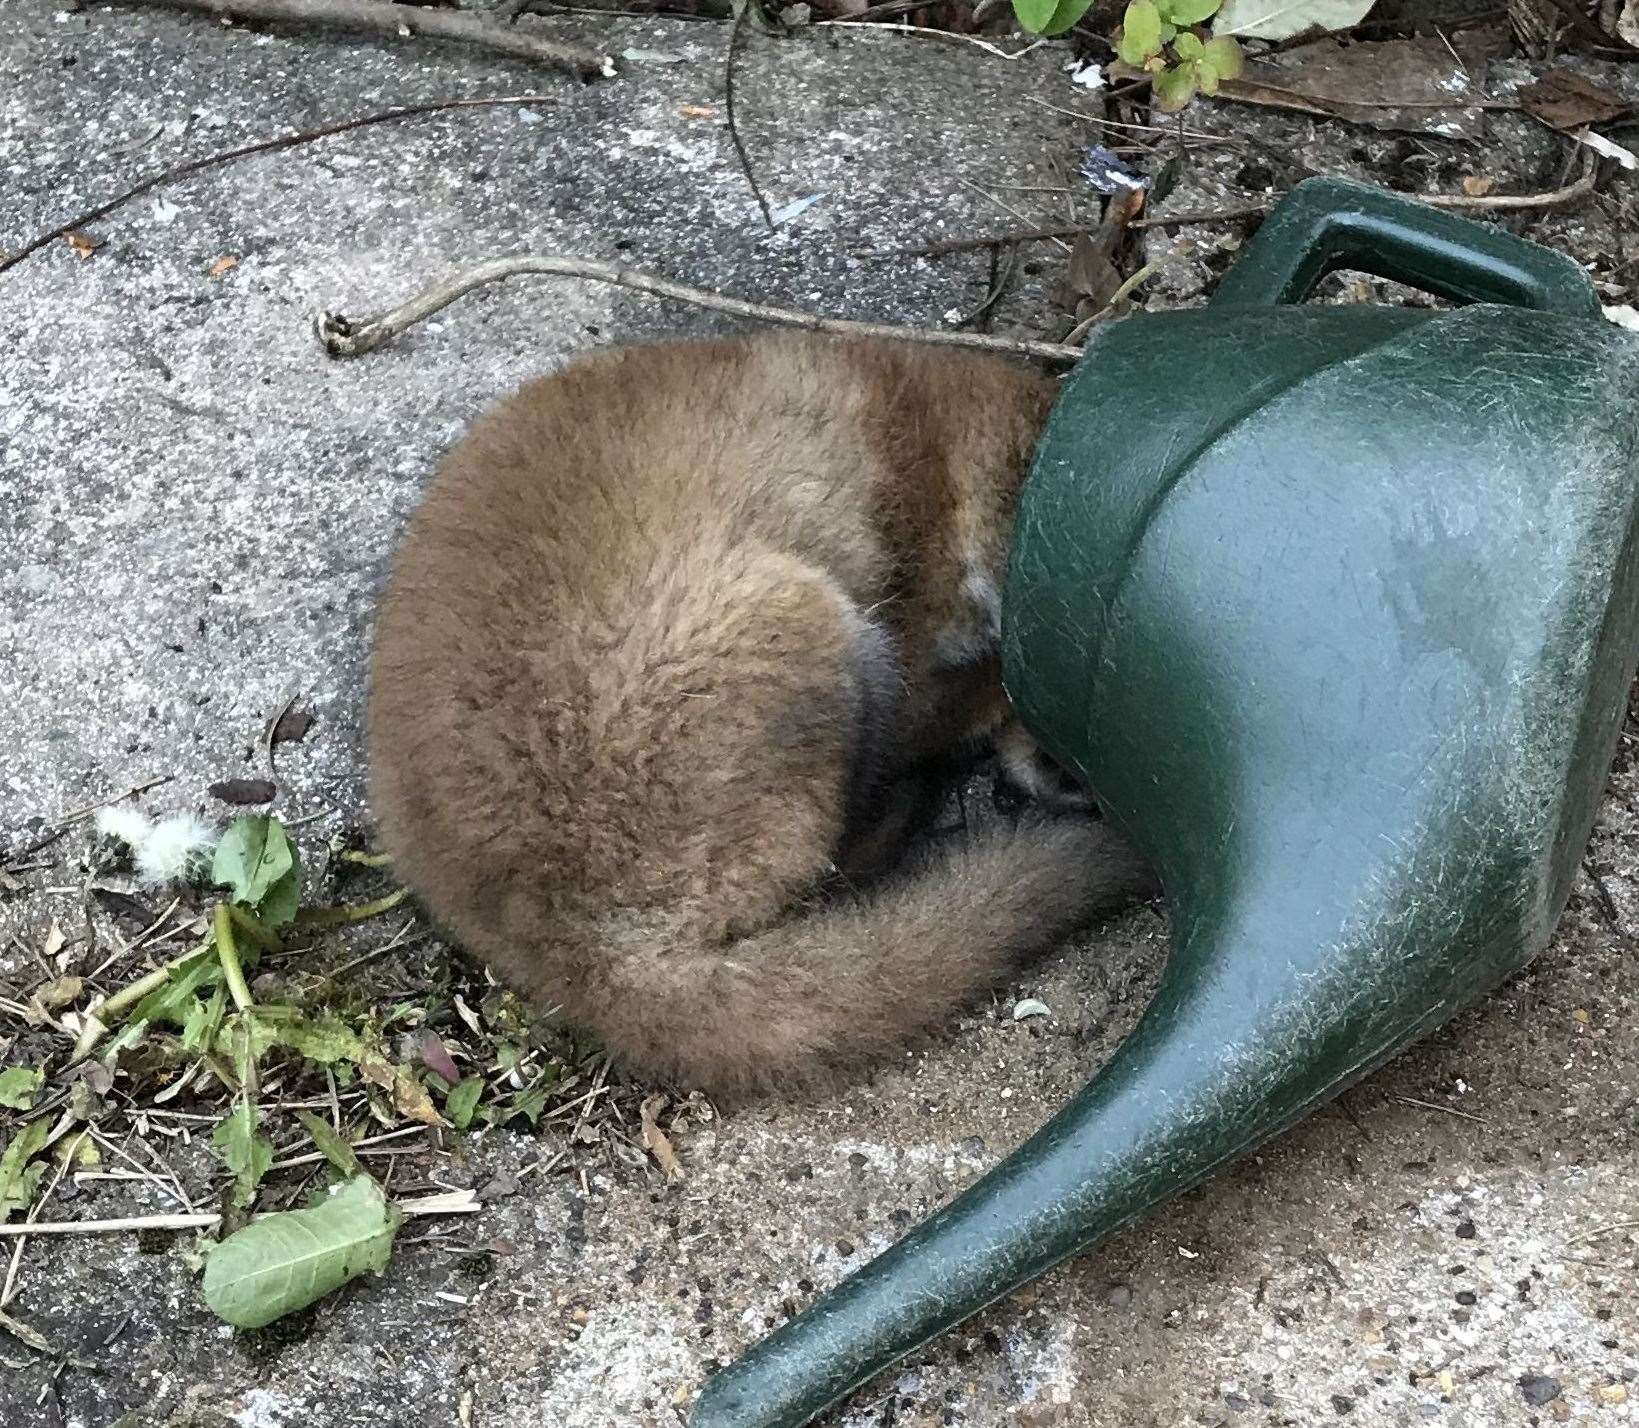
(1029, 770)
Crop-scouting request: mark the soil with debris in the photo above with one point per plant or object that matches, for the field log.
(198, 507)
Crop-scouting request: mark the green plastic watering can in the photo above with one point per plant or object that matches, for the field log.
(1336, 608)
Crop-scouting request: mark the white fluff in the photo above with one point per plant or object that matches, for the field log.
(124, 824)
(176, 847)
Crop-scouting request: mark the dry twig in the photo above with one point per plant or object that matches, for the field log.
(734, 32)
(193, 166)
(379, 17)
(1579, 187)
(347, 337)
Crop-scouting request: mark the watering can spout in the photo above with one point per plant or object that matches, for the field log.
(1343, 642)
(1163, 1115)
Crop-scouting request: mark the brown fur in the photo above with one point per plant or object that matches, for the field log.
(665, 630)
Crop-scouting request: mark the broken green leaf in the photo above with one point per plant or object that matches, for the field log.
(18, 1085)
(462, 1101)
(284, 1262)
(244, 1150)
(203, 1021)
(18, 1178)
(331, 1144)
(325, 1039)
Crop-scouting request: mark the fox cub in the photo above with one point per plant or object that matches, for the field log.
(657, 651)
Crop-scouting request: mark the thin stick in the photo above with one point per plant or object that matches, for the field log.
(425, 1205)
(1507, 202)
(1435, 1106)
(193, 166)
(345, 337)
(1200, 215)
(1594, 1234)
(394, 22)
(734, 32)
(926, 32)
(75, 815)
(1067, 230)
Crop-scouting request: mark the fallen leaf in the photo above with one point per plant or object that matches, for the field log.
(225, 264)
(54, 941)
(435, 1056)
(1563, 99)
(1627, 26)
(19, 1085)
(462, 1101)
(1623, 315)
(1092, 275)
(656, 1141)
(698, 111)
(410, 1099)
(292, 726)
(1414, 85)
(1030, 1007)
(82, 244)
(60, 993)
(1281, 19)
(331, 1143)
(244, 790)
(1477, 186)
(285, 1261)
(245, 1151)
(18, 1178)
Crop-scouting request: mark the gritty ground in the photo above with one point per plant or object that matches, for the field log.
(196, 511)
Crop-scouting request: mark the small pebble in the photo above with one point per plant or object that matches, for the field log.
(1538, 1389)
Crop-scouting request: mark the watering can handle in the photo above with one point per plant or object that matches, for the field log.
(1330, 223)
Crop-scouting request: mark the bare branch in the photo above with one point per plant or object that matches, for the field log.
(261, 146)
(346, 337)
(377, 17)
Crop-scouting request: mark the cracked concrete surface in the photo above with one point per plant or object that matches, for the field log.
(195, 507)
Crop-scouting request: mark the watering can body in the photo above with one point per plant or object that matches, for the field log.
(1336, 608)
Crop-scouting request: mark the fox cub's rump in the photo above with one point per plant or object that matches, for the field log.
(655, 647)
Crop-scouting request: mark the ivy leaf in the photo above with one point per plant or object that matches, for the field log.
(258, 863)
(1035, 15)
(285, 1261)
(245, 1151)
(1140, 32)
(18, 1085)
(1175, 87)
(331, 1144)
(1189, 12)
(1050, 17)
(19, 1179)
(1224, 57)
